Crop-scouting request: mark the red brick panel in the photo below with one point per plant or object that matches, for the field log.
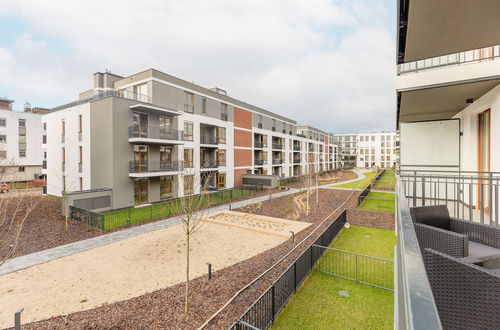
(242, 157)
(242, 118)
(242, 138)
(326, 140)
(237, 176)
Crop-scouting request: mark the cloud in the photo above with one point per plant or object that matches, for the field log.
(328, 64)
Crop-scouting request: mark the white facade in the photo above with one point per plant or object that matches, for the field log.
(20, 145)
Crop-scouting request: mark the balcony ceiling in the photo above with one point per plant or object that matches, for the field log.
(440, 102)
(440, 27)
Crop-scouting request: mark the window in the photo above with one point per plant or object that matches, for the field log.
(221, 157)
(21, 169)
(22, 153)
(22, 122)
(80, 124)
(203, 105)
(81, 183)
(188, 184)
(80, 155)
(382, 137)
(165, 127)
(373, 137)
(44, 126)
(141, 191)
(63, 157)
(3, 154)
(259, 124)
(274, 125)
(221, 180)
(361, 138)
(223, 111)
(189, 103)
(3, 122)
(188, 158)
(188, 131)
(3, 138)
(63, 130)
(166, 187)
(221, 135)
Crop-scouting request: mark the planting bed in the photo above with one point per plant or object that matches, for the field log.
(164, 308)
(327, 178)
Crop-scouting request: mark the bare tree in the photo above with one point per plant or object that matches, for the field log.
(15, 208)
(190, 210)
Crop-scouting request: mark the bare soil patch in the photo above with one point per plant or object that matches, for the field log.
(164, 308)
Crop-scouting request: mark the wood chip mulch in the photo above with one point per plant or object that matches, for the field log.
(164, 309)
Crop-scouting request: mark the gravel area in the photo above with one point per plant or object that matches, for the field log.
(164, 308)
(327, 178)
(44, 228)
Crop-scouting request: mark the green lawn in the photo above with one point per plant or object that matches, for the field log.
(387, 181)
(119, 218)
(379, 201)
(318, 304)
(359, 184)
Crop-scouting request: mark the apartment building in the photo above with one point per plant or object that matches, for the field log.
(448, 114)
(148, 136)
(379, 149)
(20, 143)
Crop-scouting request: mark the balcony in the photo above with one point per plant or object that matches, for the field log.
(277, 146)
(209, 139)
(259, 145)
(210, 163)
(277, 161)
(154, 135)
(259, 162)
(435, 263)
(296, 148)
(296, 160)
(154, 168)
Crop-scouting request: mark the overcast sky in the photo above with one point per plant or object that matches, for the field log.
(328, 64)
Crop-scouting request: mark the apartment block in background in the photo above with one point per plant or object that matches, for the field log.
(20, 143)
(146, 137)
(366, 150)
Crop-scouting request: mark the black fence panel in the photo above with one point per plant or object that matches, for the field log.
(87, 217)
(303, 266)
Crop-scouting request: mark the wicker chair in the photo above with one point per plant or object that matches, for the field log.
(436, 230)
(466, 296)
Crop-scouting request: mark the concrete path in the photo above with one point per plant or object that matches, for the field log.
(87, 244)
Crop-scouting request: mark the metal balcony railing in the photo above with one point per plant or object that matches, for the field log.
(475, 55)
(155, 166)
(155, 132)
(296, 148)
(277, 146)
(209, 139)
(296, 160)
(259, 162)
(260, 145)
(277, 161)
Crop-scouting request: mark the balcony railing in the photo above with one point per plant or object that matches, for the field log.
(209, 139)
(277, 146)
(296, 160)
(260, 145)
(155, 166)
(277, 161)
(259, 162)
(296, 148)
(209, 163)
(476, 55)
(125, 94)
(155, 132)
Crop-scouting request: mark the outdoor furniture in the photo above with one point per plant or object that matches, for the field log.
(466, 295)
(435, 229)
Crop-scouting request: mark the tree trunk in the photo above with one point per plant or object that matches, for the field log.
(186, 294)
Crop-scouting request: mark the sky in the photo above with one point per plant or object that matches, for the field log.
(324, 63)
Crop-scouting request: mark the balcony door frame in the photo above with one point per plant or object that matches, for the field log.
(484, 154)
(138, 123)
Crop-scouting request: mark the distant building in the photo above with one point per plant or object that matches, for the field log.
(20, 143)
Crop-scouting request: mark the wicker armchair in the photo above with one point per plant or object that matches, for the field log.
(466, 295)
(436, 230)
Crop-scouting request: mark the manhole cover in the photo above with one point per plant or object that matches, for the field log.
(367, 235)
(343, 293)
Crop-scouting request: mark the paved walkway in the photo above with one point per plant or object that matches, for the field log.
(36, 258)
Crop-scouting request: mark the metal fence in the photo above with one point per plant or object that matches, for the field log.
(86, 217)
(469, 195)
(373, 271)
(265, 309)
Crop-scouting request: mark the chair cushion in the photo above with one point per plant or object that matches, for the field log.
(432, 215)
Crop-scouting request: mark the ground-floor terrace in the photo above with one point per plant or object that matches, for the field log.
(164, 307)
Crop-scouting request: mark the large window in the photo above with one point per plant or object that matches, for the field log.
(166, 187)
(221, 180)
(203, 105)
(189, 103)
(165, 157)
(141, 158)
(165, 127)
(188, 158)
(22, 122)
(223, 111)
(188, 131)
(141, 191)
(140, 124)
(221, 157)
(3, 138)
(3, 122)
(221, 135)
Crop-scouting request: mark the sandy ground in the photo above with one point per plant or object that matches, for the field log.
(123, 270)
